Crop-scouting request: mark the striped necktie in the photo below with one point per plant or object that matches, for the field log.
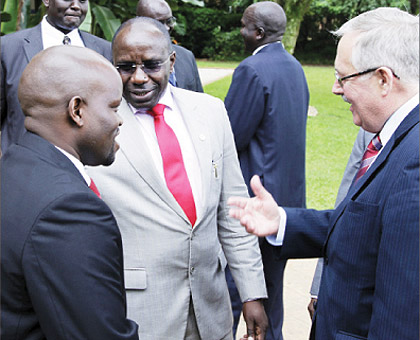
(369, 156)
(173, 164)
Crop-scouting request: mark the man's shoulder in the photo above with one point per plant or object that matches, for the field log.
(180, 50)
(93, 38)
(19, 35)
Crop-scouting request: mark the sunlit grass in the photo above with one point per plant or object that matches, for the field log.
(330, 135)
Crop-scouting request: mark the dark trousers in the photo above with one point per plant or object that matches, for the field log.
(273, 272)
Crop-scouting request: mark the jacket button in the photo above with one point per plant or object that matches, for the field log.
(191, 270)
(326, 261)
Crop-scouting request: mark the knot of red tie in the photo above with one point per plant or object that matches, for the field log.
(157, 110)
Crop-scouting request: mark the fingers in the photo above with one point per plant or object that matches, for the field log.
(236, 201)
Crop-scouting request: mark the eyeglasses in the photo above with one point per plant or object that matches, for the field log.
(148, 66)
(170, 22)
(341, 79)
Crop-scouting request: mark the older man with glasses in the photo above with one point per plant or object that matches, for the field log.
(370, 242)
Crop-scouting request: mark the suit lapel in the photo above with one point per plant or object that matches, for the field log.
(33, 42)
(198, 129)
(134, 147)
(407, 124)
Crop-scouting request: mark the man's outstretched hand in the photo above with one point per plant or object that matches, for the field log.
(260, 214)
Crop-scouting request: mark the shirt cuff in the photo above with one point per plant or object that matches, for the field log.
(277, 240)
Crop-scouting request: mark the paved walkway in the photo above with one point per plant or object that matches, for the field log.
(209, 75)
(298, 274)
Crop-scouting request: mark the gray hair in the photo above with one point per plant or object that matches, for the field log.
(388, 37)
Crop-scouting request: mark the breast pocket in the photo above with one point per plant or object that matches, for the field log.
(135, 278)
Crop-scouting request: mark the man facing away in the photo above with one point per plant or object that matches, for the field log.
(62, 264)
(58, 27)
(267, 104)
(168, 190)
(185, 73)
(370, 242)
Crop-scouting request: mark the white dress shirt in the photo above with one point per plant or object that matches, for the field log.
(175, 120)
(78, 164)
(387, 131)
(53, 37)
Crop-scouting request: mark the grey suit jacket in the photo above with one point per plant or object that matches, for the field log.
(17, 50)
(362, 140)
(167, 262)
(186, 71)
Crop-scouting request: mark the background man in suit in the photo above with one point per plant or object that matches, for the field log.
(62, 263)
(185, 73)
(176, 242)
(62, 20)
(370, 242)
(267, 104)
(362, 140)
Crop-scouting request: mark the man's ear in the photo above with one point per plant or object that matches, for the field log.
(386, 79)
(76, 110)
(260, 33)
(46, 3)
(172, 59)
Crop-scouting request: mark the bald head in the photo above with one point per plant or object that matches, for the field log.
(270, 17)
(158, 10)
(57, 91)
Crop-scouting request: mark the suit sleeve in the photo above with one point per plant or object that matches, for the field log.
(395, 312)
(198, 87)
(3, 91)
(240, 248)
(73, 264)
(245, 105)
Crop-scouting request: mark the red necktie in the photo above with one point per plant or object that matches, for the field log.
(369, 156)
(173, 164)
(93, 187)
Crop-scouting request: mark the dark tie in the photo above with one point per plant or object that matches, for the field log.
(66, 40)
(173, 165)
(369, 156)
(93, 187)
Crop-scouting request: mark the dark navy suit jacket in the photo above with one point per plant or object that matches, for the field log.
(186, 71)
(370, 245)
(61, 251)
(17, 49)
(267, 104)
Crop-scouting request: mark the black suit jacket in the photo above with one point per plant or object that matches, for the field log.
(17, 49)
(62, 266)
(186, 71)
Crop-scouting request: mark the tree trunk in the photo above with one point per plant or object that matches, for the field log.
(295, 11)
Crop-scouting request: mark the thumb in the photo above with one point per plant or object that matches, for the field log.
(257, 187)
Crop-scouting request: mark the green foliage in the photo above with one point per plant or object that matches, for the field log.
(315, 44)
(10, 7)
(226, 46)
(329, 139)
(207, 30)
(106, 20)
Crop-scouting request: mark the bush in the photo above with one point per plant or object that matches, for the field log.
(209, 32)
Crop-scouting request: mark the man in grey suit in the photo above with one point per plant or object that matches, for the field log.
(175, 256)
(59, 26)
(362, 140)
(185, 73)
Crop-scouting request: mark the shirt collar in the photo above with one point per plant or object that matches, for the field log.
(262, 46)
(56, 35)
(396, 118)
(78, 164)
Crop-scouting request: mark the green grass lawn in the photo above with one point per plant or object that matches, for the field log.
(330, 135)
